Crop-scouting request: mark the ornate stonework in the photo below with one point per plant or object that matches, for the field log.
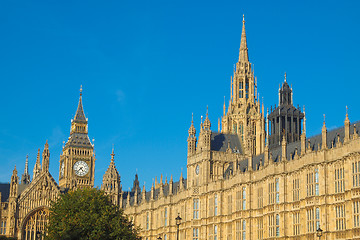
(238, 185)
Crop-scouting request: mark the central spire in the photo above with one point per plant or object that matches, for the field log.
(243, 54)
(80, 115)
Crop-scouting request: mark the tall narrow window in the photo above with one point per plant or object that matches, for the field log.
(244, 198)
(340, 217)
(216, 205)
(238, 230)
(356, 213)
(229, 204)
(229, 231)
(196, 208)
(211, 206)
(317, 218)
(241, 87)
(277, 189)
(243, 230)
(277, 225)
(339, 180)
(166, 217)
(272, 192)
(147, 221)
(296, 223)
(271, 224)
(356, 173)
(260, 232)
(215, 232)
(296, 189)
(238, 201)
(247, 88)
(3, 227)
(316, 182)
(195, 233)
(312, 183)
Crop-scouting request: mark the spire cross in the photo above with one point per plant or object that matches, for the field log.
(80, 90)
(207, 111)
(192, 117)
(285, 76)
(324, 118)
(243, 18)
(346, 110)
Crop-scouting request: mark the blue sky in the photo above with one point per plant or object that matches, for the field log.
(145, 66)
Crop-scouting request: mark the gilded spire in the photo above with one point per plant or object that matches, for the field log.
(243, 54)
(80, 115)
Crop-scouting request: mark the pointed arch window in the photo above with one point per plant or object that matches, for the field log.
(35, 224)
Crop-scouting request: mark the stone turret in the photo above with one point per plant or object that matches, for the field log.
(46, 157)
(111, 181)
(37, 167)
(285, 119)
(192, 138)
(12, 203)
(205, 135)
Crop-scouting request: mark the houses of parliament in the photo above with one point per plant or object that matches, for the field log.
(258, 177)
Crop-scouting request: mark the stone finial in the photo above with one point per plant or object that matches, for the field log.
(324, 136)
(283, 148)
(347, 127)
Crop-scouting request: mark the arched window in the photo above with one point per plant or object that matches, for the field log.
(35, 225)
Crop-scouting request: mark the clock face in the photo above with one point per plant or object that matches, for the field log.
(62, 169)
(197, 170)
(81, 168)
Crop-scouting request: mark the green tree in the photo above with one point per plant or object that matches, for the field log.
(88, 214)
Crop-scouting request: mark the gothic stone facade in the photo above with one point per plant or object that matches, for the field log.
(257, 177)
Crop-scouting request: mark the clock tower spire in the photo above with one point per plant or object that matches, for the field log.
(77, 161)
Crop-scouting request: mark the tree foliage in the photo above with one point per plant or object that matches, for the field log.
(88, 214)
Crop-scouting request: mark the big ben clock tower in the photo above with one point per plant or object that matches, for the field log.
(77, 161)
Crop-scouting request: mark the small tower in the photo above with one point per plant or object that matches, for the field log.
(12, 203)
(205, 135)
(111, 181)
(285, 119)
(25, 178)
(192, 138)
(37, 167)
(46, 157)
(136, 184)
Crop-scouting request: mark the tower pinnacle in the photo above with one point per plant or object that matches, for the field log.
(243, 54)
(80, 115)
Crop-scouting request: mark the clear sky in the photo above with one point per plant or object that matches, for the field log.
(145, 66)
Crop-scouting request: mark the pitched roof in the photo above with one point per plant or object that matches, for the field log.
(80, 115)
(220, 141)
(5, 191)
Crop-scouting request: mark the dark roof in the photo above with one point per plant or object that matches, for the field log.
(5, 191)
(220, 141)
(295, 147)
(79, 140)
(80, 115)
(286, 110)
